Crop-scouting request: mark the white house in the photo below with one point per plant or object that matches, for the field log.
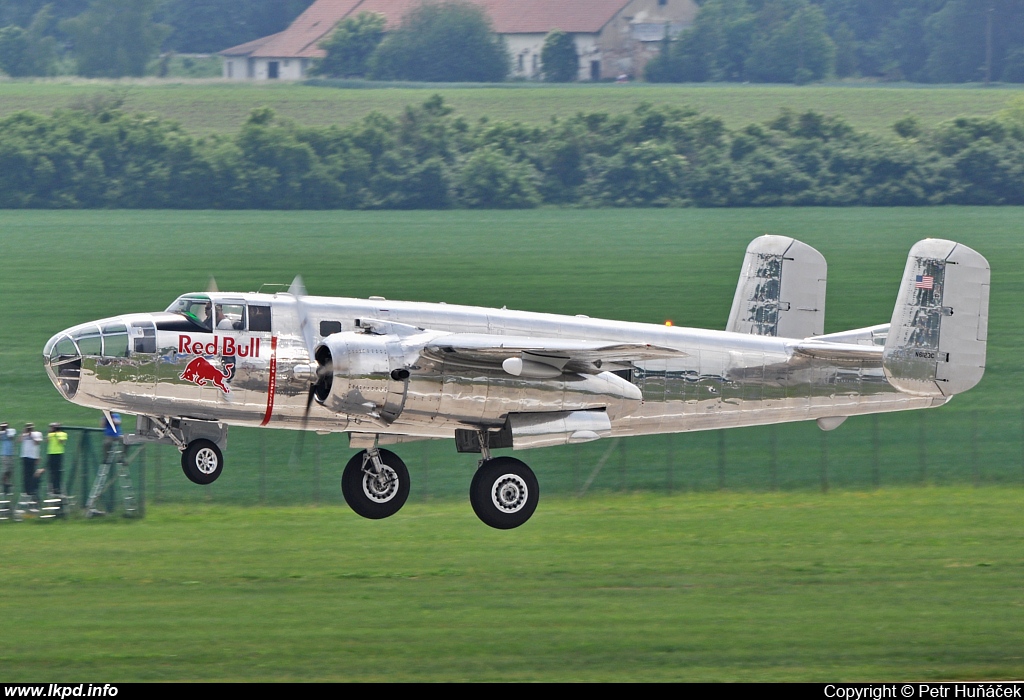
(613, 37)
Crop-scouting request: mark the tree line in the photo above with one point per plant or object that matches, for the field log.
(430, 158)
(932, 41)
(937, 41)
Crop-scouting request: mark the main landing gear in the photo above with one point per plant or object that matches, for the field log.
(202, 461)
(375, 483)
(504, 491)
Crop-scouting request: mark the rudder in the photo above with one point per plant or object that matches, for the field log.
(937, 338)
(781, 291)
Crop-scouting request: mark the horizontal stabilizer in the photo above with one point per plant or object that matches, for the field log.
(781, 291)
(937, 338)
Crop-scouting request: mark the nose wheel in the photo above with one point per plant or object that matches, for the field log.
(202, 462)
(504, 492)
(375, 483)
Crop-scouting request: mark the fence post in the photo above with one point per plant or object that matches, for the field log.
(622, 465)
(922, 449)
(824, 461)
(576, 469)
(426, 470)
(975, 467)
(721, 459)
(316, 469)
(142, 481)
(158, 467)
(670, 459)
(262, 488)
(876, 472)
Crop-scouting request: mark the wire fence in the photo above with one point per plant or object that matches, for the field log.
(980, 447)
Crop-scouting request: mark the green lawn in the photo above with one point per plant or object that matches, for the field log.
(909, 583)
(214, 106)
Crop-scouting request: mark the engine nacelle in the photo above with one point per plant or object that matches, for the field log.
(361, 374)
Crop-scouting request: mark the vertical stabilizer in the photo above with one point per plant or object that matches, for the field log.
(937, 338)
(781, 291)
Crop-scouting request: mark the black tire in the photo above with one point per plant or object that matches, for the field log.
(504, 493)
(373, 497)
(202, 462)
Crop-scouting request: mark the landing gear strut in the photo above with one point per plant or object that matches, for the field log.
(375, 483)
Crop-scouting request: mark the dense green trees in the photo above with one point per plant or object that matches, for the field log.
(449, 41)
(799, 40)
(25, 52)
(114, 38)
(429, 157)
(350, 46)
(558, 59)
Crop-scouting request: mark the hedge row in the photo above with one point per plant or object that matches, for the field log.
(428, 158)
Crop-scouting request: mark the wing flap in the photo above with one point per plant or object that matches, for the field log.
(476, 348)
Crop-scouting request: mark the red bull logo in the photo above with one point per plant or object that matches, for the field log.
(199, 371)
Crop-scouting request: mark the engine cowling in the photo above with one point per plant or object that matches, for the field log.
(362, 374)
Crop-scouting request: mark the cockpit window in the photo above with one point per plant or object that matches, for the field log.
(88, 340)
(196, 308)
(230, 317)
(115, 340)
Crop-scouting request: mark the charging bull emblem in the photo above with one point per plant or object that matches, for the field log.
(200, 371)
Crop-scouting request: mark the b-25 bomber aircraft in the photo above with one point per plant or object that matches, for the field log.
(388, 372)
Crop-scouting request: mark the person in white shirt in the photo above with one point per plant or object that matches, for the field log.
(8, 435)
(31, 439)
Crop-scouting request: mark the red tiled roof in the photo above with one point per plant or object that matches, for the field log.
(520, 16)
(300, 38)
(248, 47)
(507, 17)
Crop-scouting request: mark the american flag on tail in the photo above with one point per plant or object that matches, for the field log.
(924, 282)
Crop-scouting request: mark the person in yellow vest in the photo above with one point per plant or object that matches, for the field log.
(55, 441)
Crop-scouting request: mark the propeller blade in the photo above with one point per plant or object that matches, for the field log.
(211, 287)
(298, 290)
(296, 456)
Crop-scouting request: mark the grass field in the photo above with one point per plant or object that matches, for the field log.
(915, 584)
(62, 268)
(205, 107)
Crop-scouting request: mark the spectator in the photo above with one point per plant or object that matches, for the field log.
(7, 438)
(55, 441)
(31, 439)
(111, 432)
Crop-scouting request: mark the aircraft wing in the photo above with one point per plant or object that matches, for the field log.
(572, 355)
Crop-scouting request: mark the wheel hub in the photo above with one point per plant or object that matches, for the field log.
(509, 494)
(382, 486)
(206, 461)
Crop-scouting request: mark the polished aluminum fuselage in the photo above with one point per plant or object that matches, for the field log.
(719, 380)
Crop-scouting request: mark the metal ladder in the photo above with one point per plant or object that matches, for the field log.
(7, 508)
(115, 461)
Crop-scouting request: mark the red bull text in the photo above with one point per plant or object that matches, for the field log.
(220, 345)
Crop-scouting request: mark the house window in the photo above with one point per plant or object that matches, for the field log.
(230, 68)
(662, 3)
(536, 64)
(273, 70)
(520, 63)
